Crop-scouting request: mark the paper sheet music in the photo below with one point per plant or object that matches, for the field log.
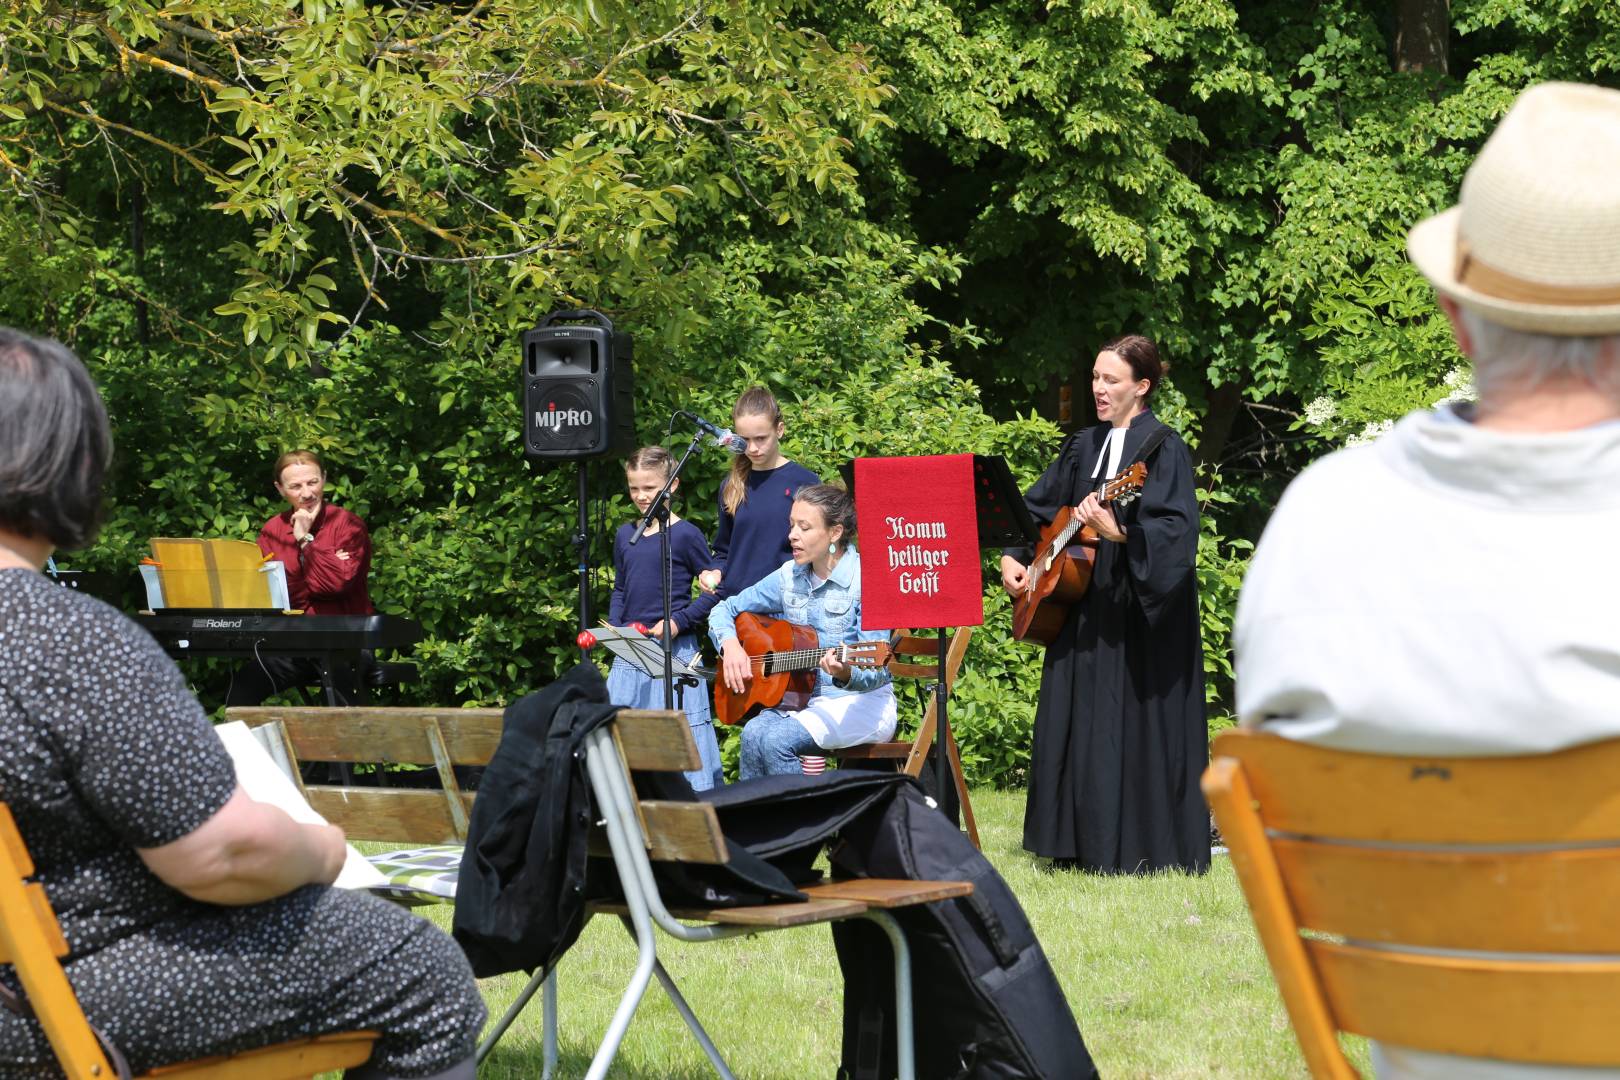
(645, 653)
(264, 782)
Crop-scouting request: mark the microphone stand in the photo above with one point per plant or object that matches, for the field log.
(659, 511)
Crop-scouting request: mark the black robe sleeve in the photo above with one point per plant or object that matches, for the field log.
(1161, 535)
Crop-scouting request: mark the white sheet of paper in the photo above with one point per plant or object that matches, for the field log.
(264, 782)
(643, 652)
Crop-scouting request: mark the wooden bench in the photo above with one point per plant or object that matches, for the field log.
(31, 941)
(378, 735)
(633, 831)
(433, 820)
(642, 831)
(910, 755)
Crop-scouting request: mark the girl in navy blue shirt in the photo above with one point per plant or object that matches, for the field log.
(638, 582)
(751, 541)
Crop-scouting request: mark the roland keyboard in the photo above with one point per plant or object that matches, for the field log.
(249, 633)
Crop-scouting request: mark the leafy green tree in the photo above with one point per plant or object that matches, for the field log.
(325, 224)
(1235, 180)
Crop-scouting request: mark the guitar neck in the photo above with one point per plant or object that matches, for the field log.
(791, 660)
(856, 654)
(1061, 540)
(1105, 496)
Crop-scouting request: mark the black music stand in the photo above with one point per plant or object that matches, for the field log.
(1004, 521)
(658, 510)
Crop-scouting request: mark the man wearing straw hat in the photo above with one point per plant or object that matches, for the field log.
(1452, 588)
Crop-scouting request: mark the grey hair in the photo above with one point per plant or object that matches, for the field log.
(55, 443)
(1508, 360)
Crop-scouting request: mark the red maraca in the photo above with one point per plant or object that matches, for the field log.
(586, 640)
(641, 628)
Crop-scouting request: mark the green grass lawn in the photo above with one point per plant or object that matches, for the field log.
(1164, 975)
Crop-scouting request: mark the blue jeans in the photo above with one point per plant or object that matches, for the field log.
(631, 688)
(771, 744)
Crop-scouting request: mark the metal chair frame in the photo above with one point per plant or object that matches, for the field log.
(616, 802)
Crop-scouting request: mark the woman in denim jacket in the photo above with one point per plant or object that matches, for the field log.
(820, 587)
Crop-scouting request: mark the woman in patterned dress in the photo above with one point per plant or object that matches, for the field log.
(198, 921)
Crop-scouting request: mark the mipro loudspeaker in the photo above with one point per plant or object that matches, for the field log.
(578, 390)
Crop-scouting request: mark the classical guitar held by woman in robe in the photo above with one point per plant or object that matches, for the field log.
(1061, 570)
(784, 657)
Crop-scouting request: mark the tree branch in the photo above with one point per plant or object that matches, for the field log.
(178, 151)
(378, 211)
(417, 44)
(688, 24)
(158, 63)
(221, 37)
(502, 257)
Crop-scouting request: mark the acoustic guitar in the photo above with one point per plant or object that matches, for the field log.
(1061, 573)
(784, 657)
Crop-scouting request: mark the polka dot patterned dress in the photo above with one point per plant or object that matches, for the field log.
(102, 751)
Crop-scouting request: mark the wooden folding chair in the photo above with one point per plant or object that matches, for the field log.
(31, 941)
(1456, 905)
(910, 755)
(640, 831)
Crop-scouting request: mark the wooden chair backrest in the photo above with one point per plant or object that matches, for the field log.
(31, 941)
(1376, 883)
(927, 648)
(656, 740)
(441, 738)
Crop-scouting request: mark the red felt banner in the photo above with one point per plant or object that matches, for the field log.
(919, 540)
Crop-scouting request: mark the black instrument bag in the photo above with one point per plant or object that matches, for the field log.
(987, 1004)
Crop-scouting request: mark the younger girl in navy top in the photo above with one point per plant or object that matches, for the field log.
(638, 597)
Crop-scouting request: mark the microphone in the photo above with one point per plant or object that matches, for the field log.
(723, 438)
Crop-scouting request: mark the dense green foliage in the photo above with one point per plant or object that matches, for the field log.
(326, 222)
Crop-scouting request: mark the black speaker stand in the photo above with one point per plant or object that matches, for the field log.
(582, 549)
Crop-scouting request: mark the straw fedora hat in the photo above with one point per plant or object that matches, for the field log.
(1534, 240)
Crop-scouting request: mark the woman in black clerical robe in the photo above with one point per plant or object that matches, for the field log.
(1120, 739)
